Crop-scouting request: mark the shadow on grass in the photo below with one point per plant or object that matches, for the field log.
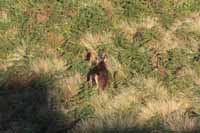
(133, 130)
(28, 104)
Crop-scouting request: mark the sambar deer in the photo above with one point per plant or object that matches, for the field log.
(99, 74)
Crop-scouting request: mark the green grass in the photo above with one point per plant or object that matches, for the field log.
(153, 60)
(90, 18)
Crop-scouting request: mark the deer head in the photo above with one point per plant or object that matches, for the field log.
(100, 58)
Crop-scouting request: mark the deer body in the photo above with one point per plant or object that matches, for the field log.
(99, 75)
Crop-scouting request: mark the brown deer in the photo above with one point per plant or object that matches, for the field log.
(99, 74)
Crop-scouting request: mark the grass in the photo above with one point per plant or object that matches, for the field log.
(153, 56)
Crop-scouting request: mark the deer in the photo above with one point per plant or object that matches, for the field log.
(99, 75)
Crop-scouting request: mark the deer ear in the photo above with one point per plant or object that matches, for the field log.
(104, 55)
(88, 56)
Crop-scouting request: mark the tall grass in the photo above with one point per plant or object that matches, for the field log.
(152, 55)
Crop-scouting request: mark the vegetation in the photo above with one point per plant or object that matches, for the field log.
(153, 56)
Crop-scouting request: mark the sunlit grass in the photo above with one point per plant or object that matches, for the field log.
(152, 55)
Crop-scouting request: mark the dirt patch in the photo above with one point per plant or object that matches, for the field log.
(55, 40)
(43, 15)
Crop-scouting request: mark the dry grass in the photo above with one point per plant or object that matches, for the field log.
(47, 65)
(107, 5)
(169, 38)
(4, 66)
(178, 1)
(69, 85)
(4, 16)
(55, 40)
(92, 41)
(11, 32)
(17, 55)
(194, 22)
(187, 71)
(130, 28)
(189, 24)
(160, 108)
(105, 105)
(149, 22)
(43, 15)
(110, 112)
(179, 121)
(19, 80)
(169, 41)
(159, 103)
(152, 89)
(133, 100)
(114, 65)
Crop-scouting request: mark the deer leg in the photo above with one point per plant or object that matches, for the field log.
(97, 82)
(93, 80)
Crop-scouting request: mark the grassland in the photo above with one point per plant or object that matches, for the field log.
(153, 50)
